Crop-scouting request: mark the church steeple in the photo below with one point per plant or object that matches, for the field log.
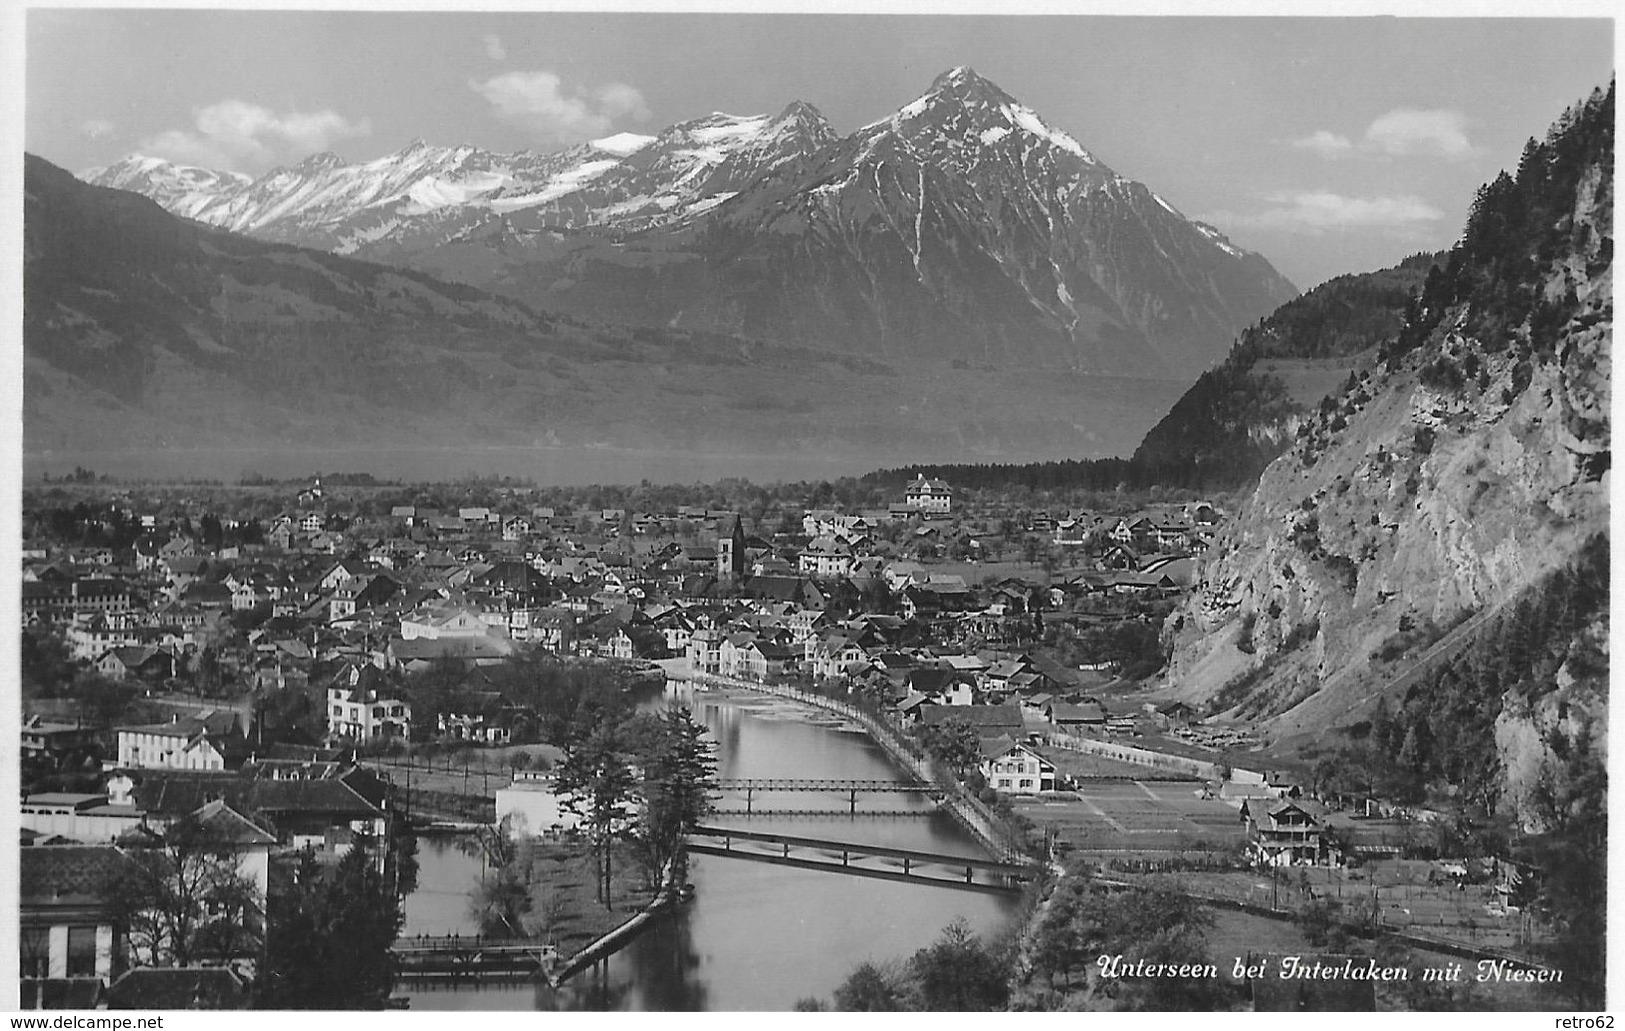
(731, 548)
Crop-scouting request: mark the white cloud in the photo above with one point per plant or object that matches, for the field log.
(1326, 144)
(1317, 211)
(1405, 132)
(618, 100)
(238, 136)
(96, 128)
(1402, 132)
(494, 48)
(538, 101)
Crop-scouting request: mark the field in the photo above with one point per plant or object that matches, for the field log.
(1081, 764)
(1236, 934)
(1137, 816)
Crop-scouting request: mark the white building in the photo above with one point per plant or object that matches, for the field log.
(1018, 770)
(532, 806)
(361, 714)
(933, 497)
(826, 557)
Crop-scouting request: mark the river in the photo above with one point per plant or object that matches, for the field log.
(757, 936)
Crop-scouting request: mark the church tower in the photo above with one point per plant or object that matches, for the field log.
(730, 548)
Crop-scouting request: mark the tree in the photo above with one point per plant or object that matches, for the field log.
(329, 937)
(958, 973)
(46, 663)
(874, 988)
(954, 743)
(595, 782)
(679, 778)
(102, 700)
(503, 899)
(1159, 926)
(184, 898)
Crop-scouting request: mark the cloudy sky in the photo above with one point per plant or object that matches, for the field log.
(1329, 145)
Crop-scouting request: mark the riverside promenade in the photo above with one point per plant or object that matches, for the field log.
(985, 825)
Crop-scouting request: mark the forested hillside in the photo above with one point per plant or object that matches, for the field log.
(1237, 417)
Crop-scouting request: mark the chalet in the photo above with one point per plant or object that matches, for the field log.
(1017, 769)
(1281, 832)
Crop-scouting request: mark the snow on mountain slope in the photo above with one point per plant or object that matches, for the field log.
(423, 194)
(962, 226)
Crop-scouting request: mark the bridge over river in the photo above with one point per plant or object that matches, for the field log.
(471, 957)
(970, 873)
(847, 791)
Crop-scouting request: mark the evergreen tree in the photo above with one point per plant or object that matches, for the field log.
(595, 782)
(329, 937)
(679, 778)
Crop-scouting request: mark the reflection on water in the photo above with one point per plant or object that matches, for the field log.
(757, 936)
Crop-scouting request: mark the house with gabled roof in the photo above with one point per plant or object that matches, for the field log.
(988, 721)
(212, 740)
(1282, 831)
(1016, 768)
(929, 497)
(136, 661)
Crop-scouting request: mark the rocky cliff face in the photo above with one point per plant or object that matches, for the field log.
(1472, 460)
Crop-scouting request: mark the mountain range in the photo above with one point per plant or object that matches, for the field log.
(146, 332)
(961, 228)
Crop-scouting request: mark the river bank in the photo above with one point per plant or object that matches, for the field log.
(993, 833)
(757, 936)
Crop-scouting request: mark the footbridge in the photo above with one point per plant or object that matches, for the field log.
(471, 957)
(847, 791)
(968, 873)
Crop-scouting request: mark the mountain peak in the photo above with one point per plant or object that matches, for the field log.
(956, 76)
(320, 162)
(800, 109)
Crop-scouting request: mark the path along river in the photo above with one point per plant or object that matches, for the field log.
(757, 936)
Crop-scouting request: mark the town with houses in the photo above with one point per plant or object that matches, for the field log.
(276, 666)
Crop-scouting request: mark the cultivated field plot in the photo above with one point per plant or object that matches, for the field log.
(1402, 898)
(1137, 816)
(1081, 764)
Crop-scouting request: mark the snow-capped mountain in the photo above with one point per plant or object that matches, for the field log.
(425, 194)
(979, 231)
(181, 189)
(962, 227)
